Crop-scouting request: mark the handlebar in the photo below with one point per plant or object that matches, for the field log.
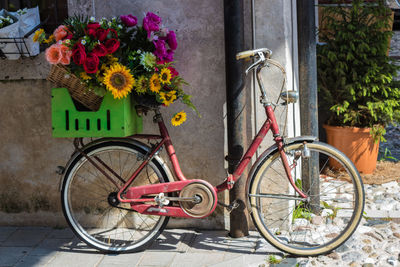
(263, 59)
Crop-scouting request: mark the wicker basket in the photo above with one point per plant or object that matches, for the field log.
(62, 78)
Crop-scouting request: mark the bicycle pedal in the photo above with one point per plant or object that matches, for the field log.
(234, 205)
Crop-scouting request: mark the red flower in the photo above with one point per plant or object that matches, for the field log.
(79, 46)
(114, 32)
(174, 72)
(78, 54)
(91, 64)
(101, 34)
(112, 45)
(100, 50)
(91, 29)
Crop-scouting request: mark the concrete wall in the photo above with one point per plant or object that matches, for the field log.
(30, 155)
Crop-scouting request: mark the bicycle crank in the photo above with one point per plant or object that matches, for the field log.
(163, 200)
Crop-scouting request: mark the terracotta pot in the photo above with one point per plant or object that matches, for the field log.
(357, 144)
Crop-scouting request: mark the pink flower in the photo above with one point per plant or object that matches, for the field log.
(60, 32)
(161, 51)
(171, 40)
(129, 20)
(169, 56)
(66, 54)
(151, 23)
(54, 54)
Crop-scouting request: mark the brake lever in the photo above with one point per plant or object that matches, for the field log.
(260, 60)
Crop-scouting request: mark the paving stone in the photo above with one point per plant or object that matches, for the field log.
(244, 260)
(11, 255)
(287, 262)
(62, 233)
(26, 236)
(36, 260)
(351, 256)
(373, 213)
(197, 259)
(210, 241)
(159, 258)
(75, 259)
(5, 232)
(129, 259)
(48, 246)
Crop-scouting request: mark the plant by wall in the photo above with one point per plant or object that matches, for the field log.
(355, 75)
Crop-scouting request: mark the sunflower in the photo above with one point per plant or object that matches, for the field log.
(168, 98)
(155, 85)
(84, 76)
(165, 76)
(39, 35)
(178, 118)
(118, 80)
(50, 39)
(111, 59)
(142, 85)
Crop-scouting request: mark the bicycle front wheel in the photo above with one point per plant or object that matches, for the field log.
(318, 224)
(90, 203)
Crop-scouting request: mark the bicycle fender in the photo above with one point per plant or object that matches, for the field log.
(270, 151)
(141, 145)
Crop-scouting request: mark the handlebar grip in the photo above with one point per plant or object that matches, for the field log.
(250, 53)
(245, 54)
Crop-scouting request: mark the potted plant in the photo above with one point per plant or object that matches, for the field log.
(355, 79)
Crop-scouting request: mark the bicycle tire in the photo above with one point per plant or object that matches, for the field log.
(86, 196)
(297, 227)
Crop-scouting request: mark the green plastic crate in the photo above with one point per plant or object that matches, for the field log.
(115, 118)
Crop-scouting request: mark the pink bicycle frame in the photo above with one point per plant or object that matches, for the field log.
(136, 196)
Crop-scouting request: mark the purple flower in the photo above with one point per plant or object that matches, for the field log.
(161, 51)
(151, 23)
(129, 20)
(169, 56)
(171, 40)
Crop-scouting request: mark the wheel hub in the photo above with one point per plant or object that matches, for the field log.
(113, 199)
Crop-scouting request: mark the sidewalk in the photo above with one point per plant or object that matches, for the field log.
(39, 246)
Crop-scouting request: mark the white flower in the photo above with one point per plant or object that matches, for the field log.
(120, 26)
(83, 41)
(67, 41)
(114, 18)
(92, 19)
(59, 42)
(164, 32)
(109, 24)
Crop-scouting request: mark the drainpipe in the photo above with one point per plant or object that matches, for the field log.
(308, 91)
(235, 100)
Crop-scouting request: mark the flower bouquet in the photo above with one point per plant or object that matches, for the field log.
(119, 56)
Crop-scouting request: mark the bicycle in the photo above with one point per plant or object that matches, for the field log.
(118, 194)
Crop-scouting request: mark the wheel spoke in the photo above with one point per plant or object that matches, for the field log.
(298, 226)
(93, 210)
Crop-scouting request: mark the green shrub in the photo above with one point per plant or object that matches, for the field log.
(355, 74)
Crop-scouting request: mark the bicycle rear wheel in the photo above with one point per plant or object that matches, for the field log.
(90, 203)
(316, 225)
